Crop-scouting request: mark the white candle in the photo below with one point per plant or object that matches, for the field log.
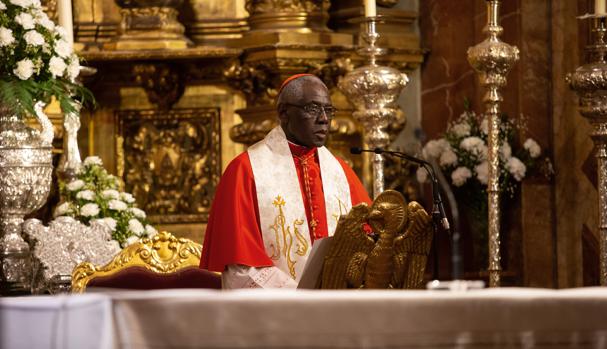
(64, 8)
(599, 7)
(371, 11)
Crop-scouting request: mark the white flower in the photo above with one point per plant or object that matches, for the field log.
(86, 195)
(25, 69)
(136, 227)
(117, 205)
(532, 147)
(6, 37)
(26, 20)
(63, 48)
(421, 174)
(110, 194)
(63, 209)
(434, 148)
(516, 168)
(460, 176)
(22, 3)
(75, 185)
(108, 222)
(89, 210)
(150, 231)
(93, 160)
(33, 38)
(139, 213)
(471, 143)
(59, 30)
(131, 240)
(57, 66)
(126, 197)
(448, 158)
(2, 6)
(41, 18)
(485, 126)
(461, 130)
(482, 172)
(475, 146)
(73, 69)
(506, 151)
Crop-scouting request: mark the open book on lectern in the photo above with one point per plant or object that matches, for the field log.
(313, 268)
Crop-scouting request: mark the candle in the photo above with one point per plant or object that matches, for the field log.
(599, 7)
(64, 8)
(370, 10)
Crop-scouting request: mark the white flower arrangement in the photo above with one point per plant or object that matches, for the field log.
(462, 154)
(37, 61)
(93, 198)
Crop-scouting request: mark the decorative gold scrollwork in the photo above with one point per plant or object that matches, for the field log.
(172, 161)
(282, 233)
(163, 253)
(270, 6)
(163, 84)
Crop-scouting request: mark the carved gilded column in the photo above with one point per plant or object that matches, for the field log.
(150, 24)
(294, 14)
(95, 22)
(215, 22)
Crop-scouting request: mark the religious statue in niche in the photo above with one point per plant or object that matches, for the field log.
(393, 256)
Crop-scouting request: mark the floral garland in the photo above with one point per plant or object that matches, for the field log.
(462, 154)
(37, 59)
(94, 197)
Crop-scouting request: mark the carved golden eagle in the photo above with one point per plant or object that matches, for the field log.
(396, 259)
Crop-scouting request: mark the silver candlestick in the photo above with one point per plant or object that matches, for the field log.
(374, 91)
(492, 59)
(589, 81)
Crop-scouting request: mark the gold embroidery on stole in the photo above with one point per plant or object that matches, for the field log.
(281, 228)
(343, 209)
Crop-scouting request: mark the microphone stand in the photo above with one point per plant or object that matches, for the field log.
(457, 262)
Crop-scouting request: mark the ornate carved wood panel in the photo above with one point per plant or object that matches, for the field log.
(170, 161)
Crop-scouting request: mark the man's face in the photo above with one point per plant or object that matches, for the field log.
(304, 119)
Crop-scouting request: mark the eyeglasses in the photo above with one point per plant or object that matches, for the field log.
(314, 110)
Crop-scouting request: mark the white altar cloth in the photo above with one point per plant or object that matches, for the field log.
(490, 318)
(61, 322)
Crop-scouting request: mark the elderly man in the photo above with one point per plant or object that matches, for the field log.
(282, 194)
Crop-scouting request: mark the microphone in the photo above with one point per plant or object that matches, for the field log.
(438, 213)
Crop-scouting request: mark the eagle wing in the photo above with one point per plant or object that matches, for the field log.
(411, 249)
(349, 240)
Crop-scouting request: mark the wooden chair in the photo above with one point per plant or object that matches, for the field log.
(161, 262)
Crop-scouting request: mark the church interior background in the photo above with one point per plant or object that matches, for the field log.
(180, 92)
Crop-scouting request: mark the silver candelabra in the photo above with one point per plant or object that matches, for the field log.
(374, 90)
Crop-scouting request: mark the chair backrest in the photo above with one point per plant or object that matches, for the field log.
(163, 261)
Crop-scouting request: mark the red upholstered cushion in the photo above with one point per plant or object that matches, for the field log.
(139, 278)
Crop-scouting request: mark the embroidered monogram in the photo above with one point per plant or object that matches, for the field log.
(282, 231)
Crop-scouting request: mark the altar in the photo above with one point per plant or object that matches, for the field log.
(489, 318)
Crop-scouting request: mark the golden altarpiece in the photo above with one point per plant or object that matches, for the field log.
(183, 86)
